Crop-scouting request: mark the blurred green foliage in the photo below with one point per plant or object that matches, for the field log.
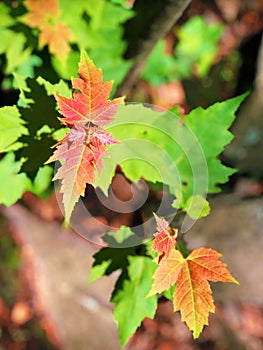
(13, 184)
(193, 54)
(96, 26)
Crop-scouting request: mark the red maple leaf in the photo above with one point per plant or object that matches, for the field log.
(82, 148)
(90, 100)
(164, 238)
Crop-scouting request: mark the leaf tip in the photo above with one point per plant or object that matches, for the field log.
(196, 333)
(150, 294)
(85, 59)
(233, 280)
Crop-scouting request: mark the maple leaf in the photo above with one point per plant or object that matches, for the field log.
(131, 304)
(164, 240)
(192, 294)
(189, 151)
(90, 100)
(81, 150)
(40, 12)
(44, 15)
(57, 38)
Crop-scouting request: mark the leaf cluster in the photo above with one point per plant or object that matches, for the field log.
(28, 27)
(175, 152)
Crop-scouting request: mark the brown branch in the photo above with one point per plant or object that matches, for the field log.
(259, 73)
(155, 27)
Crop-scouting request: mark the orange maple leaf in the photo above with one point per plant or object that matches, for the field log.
(44, 15)
(82, 148)
(40, 12)
(57, 37)
(192, 294)
(164, 238)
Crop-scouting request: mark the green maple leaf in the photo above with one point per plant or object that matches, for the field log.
(39, 112)
(131, 304)
(60, 88)
(11, 128)
(123, 238)
(99, 271)
(197, 46)
(143, 136)
(108, 259)
(211, 128)
(160, 67)
(105, 14)
(161, 147)
(6, 19)
(12, 45)
(12, 184)
(105, 20)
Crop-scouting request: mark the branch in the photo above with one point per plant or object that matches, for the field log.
(155, 20)
(259, 73)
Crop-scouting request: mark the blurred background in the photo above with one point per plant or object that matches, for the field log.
(192, 53)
